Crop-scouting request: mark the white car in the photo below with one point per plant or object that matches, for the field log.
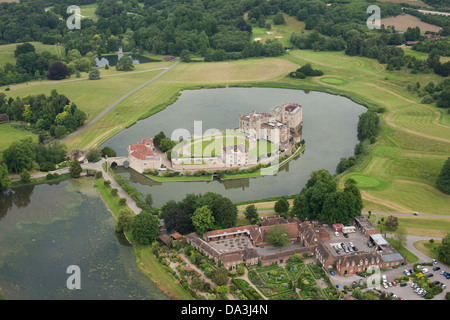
(424, 270)
(336, 234)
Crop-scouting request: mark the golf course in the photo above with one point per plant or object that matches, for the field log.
(396, 175)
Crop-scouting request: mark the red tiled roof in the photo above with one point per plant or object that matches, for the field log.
(147, 141)
(141, 151)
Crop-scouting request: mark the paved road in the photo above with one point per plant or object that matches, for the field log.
(112, 105)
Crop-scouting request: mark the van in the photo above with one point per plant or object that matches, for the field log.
(384, 278)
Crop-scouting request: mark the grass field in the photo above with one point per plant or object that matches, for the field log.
(9, 134)
(397, 175)
(7, 51)
(280, 32)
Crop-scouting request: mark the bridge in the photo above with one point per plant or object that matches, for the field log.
(114, 162)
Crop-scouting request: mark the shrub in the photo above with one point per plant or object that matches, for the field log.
(122, 201)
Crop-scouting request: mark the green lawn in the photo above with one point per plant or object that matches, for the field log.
(7, 51)
(9, 134)
(410, 257)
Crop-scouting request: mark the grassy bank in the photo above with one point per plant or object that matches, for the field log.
(156, 272)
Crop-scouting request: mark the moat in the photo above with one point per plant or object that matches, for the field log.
(329, 129)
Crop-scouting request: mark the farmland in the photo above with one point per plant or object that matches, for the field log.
(402, 22)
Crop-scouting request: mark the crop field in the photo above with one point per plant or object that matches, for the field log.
(403, 22)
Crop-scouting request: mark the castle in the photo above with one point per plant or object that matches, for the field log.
(276, 126)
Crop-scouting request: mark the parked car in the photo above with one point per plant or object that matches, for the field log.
(331, 272)
(424, 270)
(406, 272)
(436, 268)
(403, 284)
(385, 285)
(434, 261)
(429, 275)
(436, 282)
(443, 286)
(350, 244)
(345, 235)
(394, 283)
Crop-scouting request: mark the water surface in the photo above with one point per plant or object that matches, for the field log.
(329, 129)
(46, 228)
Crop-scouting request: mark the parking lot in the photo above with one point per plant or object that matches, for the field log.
(358, 239)
(408, 292)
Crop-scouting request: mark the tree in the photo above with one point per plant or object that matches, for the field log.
(20, 155)
(94, 74)
(75, 169)
(278, 19)
(25, 176)
(185, 55)
(202, 219)
(391, 223)
(108, 151)
(178, 219)
(282, 206)
(4, 180)
(145, 228)
(277, 235)
(24, 48)
(220, 276)
(444, 250)
(251, 214)
(60, 131)
(401, 236)
(125, 64)
(57, 71)
(124, 220)
(368, 125)
(223, 210)
(93, 154)
(149, 200)
(443, 179)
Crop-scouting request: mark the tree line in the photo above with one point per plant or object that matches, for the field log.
(52, 115)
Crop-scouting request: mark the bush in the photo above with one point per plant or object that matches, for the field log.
(122, 201)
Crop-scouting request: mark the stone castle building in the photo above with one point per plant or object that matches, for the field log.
(277, 126)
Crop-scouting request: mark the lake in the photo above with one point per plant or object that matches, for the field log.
(329, 130)
(46, 228)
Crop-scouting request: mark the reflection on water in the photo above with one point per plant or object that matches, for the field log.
(46, 228)
(113, 59)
